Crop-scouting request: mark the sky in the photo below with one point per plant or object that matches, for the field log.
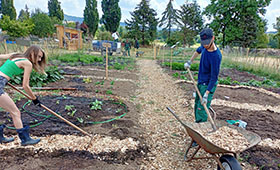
(76, 7)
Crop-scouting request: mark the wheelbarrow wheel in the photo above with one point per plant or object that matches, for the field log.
(229, 163)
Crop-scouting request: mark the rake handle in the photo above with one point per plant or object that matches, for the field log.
(52, 112)
(204, 105)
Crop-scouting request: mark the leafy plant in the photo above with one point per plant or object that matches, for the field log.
(39, 80)
(176, 75)
(96, 105)
(226, 81)
(112, 82)
(109, 92)
(87, 80)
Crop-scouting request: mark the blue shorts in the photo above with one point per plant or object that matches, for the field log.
(3, 82)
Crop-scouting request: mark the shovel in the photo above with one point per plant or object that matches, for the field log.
(204, 105)
(52, 112)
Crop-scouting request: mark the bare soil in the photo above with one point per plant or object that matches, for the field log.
(105, 122)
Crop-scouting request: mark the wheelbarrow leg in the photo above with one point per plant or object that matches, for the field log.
(187, 151)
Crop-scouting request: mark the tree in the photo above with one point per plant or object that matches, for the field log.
(7, 8)
(24, 14)
(190, 21)
(44, 25)
(111, 14)
(91, 17)
(238, 21)
(16, 28)
(277, 27)
(143, 23)
(55, 9)
(169, 18)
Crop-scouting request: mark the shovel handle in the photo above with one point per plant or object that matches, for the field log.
(204, 105)
(52, 112)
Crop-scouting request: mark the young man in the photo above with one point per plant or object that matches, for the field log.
(209, 68)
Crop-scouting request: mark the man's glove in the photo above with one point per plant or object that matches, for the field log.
(187, 64)
(204, 98)
(36, 102)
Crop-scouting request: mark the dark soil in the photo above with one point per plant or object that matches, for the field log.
(126, 126)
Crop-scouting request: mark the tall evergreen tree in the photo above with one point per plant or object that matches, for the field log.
(143, 23)
(24, 14)
(91, 17)
(55, 9)
(238, 21)
(190, 21)
(277, 27)
(169, 18)
(7, 8)
(111, 15)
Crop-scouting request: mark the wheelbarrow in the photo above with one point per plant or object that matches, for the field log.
(226, 159)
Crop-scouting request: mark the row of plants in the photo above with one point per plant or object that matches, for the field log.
(118, 63)
(229, 81)
(38, 80)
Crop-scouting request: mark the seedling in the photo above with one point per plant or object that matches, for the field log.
(118, 110)
(112, 82)
(71, 109)
(57, 102)
(109, 92)
(81, 120)
(87, 80)
(96, 105)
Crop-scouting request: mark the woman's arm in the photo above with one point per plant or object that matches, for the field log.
(5, 56)
(27, 65)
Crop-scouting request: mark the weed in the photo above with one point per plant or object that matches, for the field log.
(71, 109)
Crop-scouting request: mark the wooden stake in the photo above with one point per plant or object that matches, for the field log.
(171, 61)
(106, 63)
(6, 48)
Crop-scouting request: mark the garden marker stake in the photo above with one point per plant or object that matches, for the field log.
(204, 105)
(52, 112)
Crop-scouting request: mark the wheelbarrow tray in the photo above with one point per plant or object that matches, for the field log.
(192, 129)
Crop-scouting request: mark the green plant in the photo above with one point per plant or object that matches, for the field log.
(112, 82)
(96, 105)
(81, 120)
(109, 92)
(87, 80)
(118, 110)
(71, 109)
(226, 81)
(176, 75)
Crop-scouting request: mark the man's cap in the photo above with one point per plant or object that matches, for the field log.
(205, 36)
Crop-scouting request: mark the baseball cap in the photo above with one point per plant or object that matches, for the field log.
(205, 36)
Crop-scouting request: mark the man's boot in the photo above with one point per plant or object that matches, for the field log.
(2, 138)
(23, 134)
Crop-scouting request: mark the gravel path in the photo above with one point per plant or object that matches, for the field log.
(165, 137)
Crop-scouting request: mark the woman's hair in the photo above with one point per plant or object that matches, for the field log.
(34, 49)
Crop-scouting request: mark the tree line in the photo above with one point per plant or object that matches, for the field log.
(235, 23)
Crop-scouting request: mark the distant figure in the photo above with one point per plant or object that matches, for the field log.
(136, 46)
(116, 35)
(127, 47)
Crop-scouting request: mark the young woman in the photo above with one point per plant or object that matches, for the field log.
(33, 58)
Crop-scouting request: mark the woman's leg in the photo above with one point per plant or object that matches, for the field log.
(8, 104)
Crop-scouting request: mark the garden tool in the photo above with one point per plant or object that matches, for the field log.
(204, 104)
(52, 112)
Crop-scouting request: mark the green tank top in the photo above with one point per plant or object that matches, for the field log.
(11, 69)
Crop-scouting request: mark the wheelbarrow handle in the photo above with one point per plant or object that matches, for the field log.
(204, 104)
(52, 112)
